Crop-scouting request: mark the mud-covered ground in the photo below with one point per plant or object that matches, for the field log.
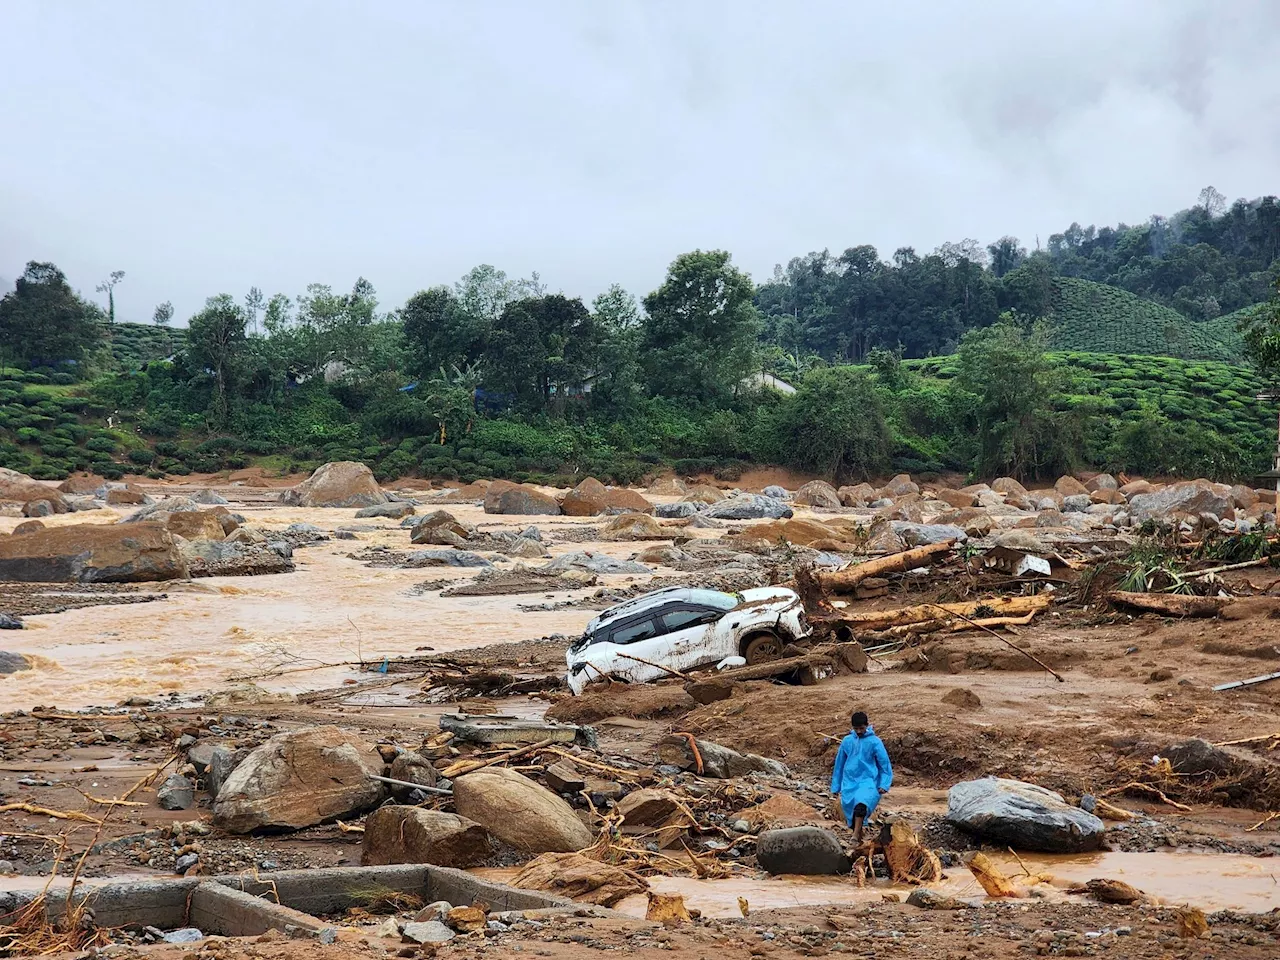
(114, 686)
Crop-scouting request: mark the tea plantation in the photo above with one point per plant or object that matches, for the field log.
(1098, 318)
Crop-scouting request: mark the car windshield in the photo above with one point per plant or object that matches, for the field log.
(714, 598)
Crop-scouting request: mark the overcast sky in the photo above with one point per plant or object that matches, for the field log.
(209, 147)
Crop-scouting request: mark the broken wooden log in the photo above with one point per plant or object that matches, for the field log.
(1170, 604)
(844, 581)
(860, 621)
(991, 877)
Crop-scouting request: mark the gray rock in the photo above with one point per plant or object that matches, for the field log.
(222, 761)
(393, 510)
(327, 936)
(677, 510)
(801, 850)
(594, 563)
(1022, 815)
(927, 899)
(209, 498)
(1077, 503)
(426, 931)
(185, 862)
(749, 506)
(699, 522)
(236, 558)
(304, 530)
(344, 535)
(184, 935)
(1193, 497)
(10, 623)
(1020, 539)
(447, 558)
(13, 662)
(176, 793)
(6, 866)
(718, 761)
(777, 492)
(917, 534)
(531, 533)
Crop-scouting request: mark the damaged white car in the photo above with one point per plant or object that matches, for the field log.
(681, 628)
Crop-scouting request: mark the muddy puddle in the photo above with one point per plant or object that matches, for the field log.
(1211, 881)
(219, 632)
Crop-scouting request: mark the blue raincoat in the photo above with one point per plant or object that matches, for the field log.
(862, 770)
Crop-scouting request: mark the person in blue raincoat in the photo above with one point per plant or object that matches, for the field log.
(862, 774)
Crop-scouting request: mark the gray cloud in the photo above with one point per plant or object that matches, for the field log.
(204, 149)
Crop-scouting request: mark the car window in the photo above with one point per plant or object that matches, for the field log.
(632, 632)
(679, 619)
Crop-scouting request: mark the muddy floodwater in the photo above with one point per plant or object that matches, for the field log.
(216, 632)
(1211, 881)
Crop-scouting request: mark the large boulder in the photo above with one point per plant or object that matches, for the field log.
(1192, 497)
(667, 487)
(92, 553)
(235, 558)
(404, 834)
(960, 499)
(916, 534)
(704, 493)
(441, 528)
(718, 761)
(299, 779)
(587, 499)
(510, 498)
(899, 486)
(20, 488)
(1022, 815)
(858, 495)
(634, 526)
(11, 662)
(1069, 486)
(1103, 481)
(801, 850)
(126, 496)
(341, 484)
(194, 525)
(816, 493)
(678, 510)
(749, 506)
(622, 500)
(589, 562)
(83, 484)
(519, 812)
(393, 510)
(1010, 487)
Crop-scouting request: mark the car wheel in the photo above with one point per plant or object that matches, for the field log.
(761, 648)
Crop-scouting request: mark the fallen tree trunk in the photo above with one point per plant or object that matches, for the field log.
(950, 625)
(843, 581)
(1170, 604)
(995, 607)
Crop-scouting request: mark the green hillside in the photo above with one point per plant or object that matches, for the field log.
(1096, 318)
(134, 344)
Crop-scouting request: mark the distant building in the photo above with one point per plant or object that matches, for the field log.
(767, 381)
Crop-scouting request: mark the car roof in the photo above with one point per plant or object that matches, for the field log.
(695, 595)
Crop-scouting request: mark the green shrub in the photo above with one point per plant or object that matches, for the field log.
(141, 457)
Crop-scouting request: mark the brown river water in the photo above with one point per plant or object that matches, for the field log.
(333, 609)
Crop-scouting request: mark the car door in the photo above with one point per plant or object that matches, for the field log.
(628, 640)
(686, 638)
